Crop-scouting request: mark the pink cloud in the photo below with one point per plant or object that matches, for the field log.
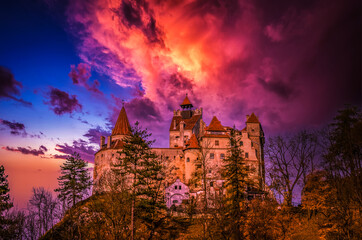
(231, 58)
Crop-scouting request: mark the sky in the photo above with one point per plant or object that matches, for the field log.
(66, 67)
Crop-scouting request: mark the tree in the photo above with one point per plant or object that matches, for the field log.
(344, 153)
(43, 207)
(236, 183)
(144, 174)
(200, 177)
(5, 203)
(74, 181)
(291, 158)
(343, 165)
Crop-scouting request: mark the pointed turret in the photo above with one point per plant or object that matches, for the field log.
(215, 126)
(186, 104)
(122, 126)
(252, 119)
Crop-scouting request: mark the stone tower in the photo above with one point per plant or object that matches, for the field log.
(108, 152)
(184, 123)
(256, 135)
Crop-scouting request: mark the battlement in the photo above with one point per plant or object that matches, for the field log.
(177, 113)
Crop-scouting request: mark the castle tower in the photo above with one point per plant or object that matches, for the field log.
(256, 135)
(184, 123)
(108, 152)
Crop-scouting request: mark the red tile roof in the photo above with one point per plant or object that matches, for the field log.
(186, 102)
(190, 123)
(122, 126)
(215, 126)
(252, 119)
(192, 143)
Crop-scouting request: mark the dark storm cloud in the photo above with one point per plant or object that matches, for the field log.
(132, 14)
(278, 87)
(143, 109)
(80, 146)
(61, 102)
(9, 87)
(80, 76)
(28, 151)
(94, 134)
(16, 128)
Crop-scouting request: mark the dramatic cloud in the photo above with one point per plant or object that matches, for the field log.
(9, 87)
(80, 146)
(61, 102)
(285, 61)
(80, 76)
(41, 151)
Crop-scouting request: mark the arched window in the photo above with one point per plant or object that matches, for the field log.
(188, 159)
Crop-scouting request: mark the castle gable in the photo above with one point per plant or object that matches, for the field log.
(215, 126)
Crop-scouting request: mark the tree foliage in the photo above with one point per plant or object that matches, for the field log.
(5, 203)
(144, 176)
(236, 182)
(74, 180)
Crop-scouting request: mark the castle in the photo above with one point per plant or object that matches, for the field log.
(190, 141)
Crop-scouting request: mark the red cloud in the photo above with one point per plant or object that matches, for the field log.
(285, 62)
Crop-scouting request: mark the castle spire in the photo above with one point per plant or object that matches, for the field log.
(186, 104)
(122, 126)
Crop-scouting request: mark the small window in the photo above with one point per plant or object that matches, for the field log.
(252, 144)
(102, 155)
(241, 143)
(177, 136)
(176, 187)
(246, 155)
(198, 166)
(209, 171)
(216, 142)
(112, 154)
(179, 187)
(174, 201)
(176, 145)
(187, 159)
(212, 156)
(174, 157)
(195, 185)
(222, 156)
(211, 184)
(167, 158)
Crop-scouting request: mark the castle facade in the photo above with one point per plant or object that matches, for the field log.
(191, 142)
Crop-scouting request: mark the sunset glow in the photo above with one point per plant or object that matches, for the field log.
(66, 66)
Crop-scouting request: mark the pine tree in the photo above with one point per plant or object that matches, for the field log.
(5, 203)
(144, 174)
(74, 181)
(236, 182)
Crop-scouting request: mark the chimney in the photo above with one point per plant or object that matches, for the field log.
(109, 141)
(103, 139)
(247, 116)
